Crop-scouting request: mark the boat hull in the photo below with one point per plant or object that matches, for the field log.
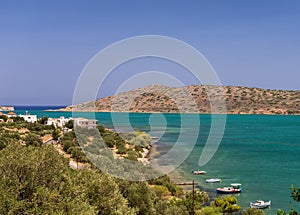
(231, 191)
(213, 180)
(262, 205)
(199, 172)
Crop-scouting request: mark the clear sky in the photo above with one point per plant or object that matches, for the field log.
(44, 45)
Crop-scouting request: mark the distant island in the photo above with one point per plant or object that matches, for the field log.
(6, 108)
(158, 98)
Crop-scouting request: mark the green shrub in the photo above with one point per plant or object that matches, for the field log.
(33, 140)
(66, 144)
(228, 204)
(253, 211)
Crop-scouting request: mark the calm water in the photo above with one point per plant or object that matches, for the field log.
(261, 152)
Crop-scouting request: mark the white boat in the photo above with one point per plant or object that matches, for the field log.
(260, 204)
(198, 172)
(213, 180)
(235, 188)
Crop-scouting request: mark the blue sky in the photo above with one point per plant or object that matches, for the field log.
(44, 45)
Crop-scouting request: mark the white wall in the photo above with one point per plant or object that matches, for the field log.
(29, 118)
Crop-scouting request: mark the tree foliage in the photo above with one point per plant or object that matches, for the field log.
(37, 180)
(295, 193)
(70, 124)
(253, 211)
(4, 117)
(228, 204)
(18, 119)
(33, 140)
(55, 134)
(199, 199)
(43, 120)
(210, 211)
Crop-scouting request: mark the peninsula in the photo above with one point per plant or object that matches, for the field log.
(159, 98)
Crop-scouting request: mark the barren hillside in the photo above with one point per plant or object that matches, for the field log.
(191, 99)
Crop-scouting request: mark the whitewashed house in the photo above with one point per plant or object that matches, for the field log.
(29, 118)
(51, 121)
(58, 122)
(85, 123)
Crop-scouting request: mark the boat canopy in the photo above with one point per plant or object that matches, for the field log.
(236, 185)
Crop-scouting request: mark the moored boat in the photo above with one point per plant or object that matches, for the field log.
(198, 172)
(260, 204)
(213, 180)
(235, 188)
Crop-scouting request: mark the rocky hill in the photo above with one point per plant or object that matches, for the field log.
(191, 99)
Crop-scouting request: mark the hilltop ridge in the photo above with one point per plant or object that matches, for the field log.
(197, 99)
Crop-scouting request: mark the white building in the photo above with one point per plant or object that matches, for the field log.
(51, 121)
(29, 118)
(85, 123)
(58, 122)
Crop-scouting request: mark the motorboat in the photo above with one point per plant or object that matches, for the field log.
(213, 180)
(198, 172)
(234, 188)
(260, 204)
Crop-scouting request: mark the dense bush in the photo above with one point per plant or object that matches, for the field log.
(228, 204)
(166, 181)
(43, 120)
(4, 117)
(18, 119)
(70, 124)
(253, 211)
(37, 180)
(33, 140)
(199, 199)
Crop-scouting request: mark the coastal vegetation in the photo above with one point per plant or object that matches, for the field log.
(228, 204)
(37, 179)
(253, 211)
(128, 145)
(23, 133)
(197, 98)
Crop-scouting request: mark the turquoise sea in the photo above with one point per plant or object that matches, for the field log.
(261, 152)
